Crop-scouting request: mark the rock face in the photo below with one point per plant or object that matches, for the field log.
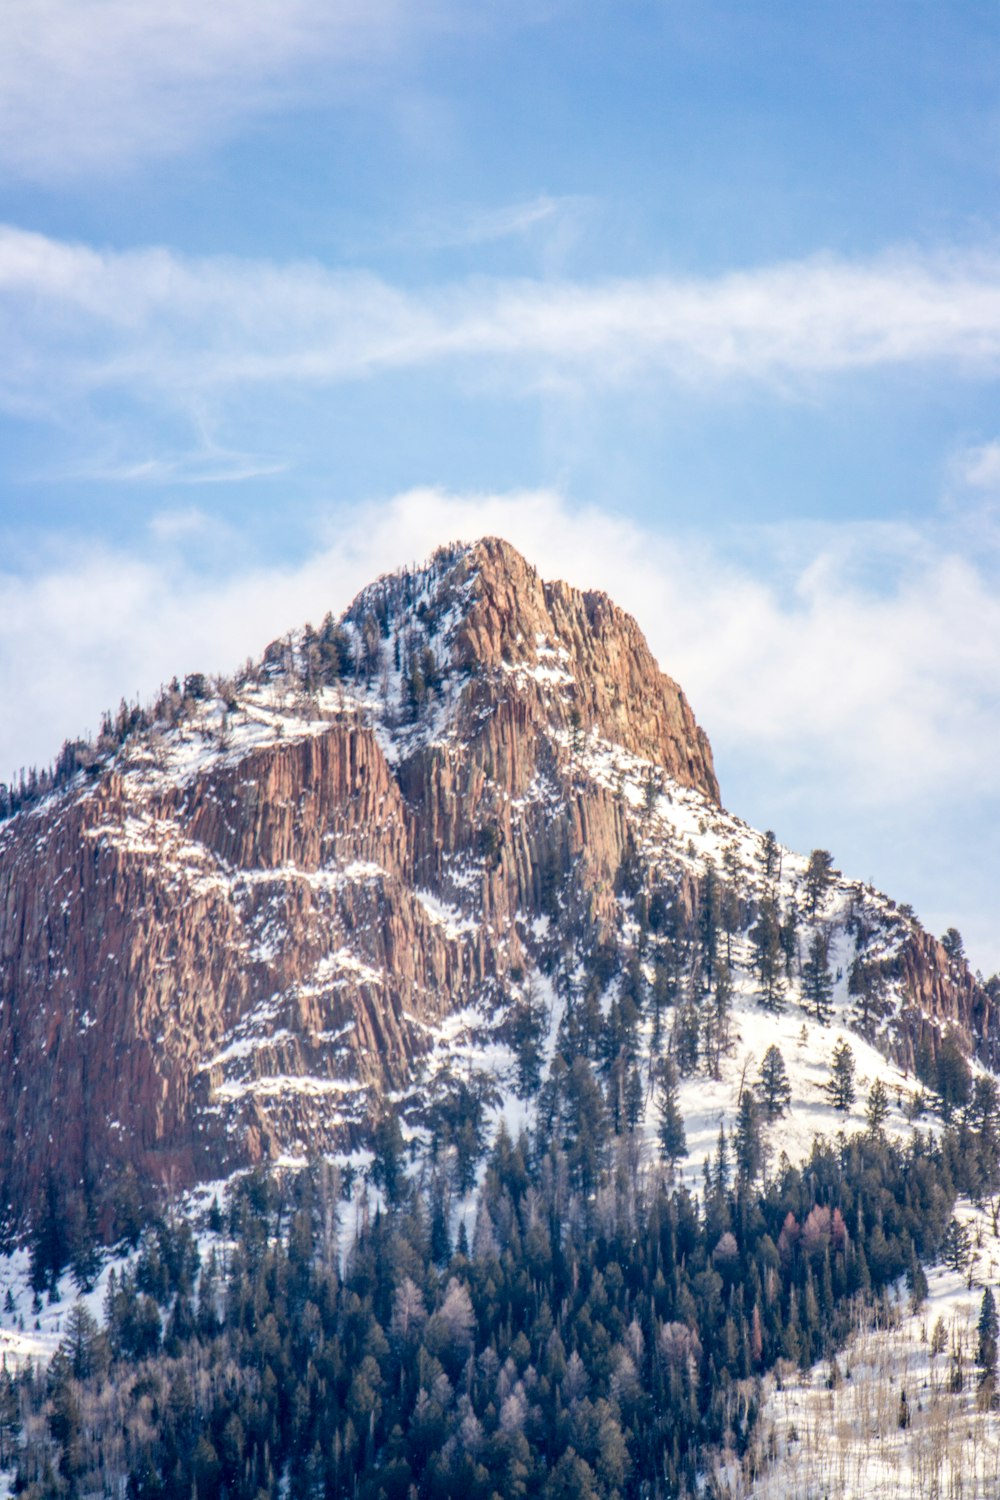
(334, 881)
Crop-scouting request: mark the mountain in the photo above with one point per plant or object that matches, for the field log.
(412, 862)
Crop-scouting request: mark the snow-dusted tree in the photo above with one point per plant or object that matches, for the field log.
(773, 1087)
(841, 1086)
(817, 981)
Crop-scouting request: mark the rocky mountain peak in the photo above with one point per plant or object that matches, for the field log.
(482, 612)
(422, 852)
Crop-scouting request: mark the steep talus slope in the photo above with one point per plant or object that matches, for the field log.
(339, 878)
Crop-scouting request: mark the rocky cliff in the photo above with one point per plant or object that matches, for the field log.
(342, 878)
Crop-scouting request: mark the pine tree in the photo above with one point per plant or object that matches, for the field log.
(716, 1022)
(685, 1037)
(957, 1245)
(916, 1280)
(770, 855)
(989, 1327)
(867, 985)
(634, 1098)
(749, 1142)
(953, 945)
(768, 956)
(954, 1076)
(774, 1087)
(817, 981)
(525, 1029)
(387, 1168)
(709, 921)
(720, 1166)
(819, 878)
(10, 1417)
(877, 1109)
(673, 1140)
(841, 1086)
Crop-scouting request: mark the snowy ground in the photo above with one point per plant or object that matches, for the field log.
(30, 1335)
(842, 1440)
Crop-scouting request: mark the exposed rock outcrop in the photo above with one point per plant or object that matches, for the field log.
(330, 882)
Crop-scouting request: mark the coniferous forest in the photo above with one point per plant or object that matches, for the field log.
(604, 1334)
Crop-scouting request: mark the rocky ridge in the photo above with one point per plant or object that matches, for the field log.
(344, 880)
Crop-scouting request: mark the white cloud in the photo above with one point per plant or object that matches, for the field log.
(87, 85)
(850, 682)
(978, 467)
(486, 226)
(161, 326)
(891, 690)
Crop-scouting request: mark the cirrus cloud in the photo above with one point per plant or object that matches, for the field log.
(98, 85)
(165, 328)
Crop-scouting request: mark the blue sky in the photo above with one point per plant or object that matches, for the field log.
(698, 302)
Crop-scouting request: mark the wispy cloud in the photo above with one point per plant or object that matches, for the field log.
(88, 85)
(162, 326)
(483, 226)
(978, 467)
(178, 470)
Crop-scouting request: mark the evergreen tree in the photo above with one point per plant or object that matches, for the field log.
(634, 1098)
(709, 922)
(867, 985)
(685, 1037)
(773, 1086)
(731, 918)
(770, 855)
(749, 1140)
(768, 956)
(585, 1129)
(954, 1076)
(716, 1020)
(957, 1245)
(526, 1028)
(841, 1086)
(877, 1109)
(916, 1280)
(817, 981)
(388, 1171)
(720, 1166)
(988, 1327)
(10, 1417)
(673, 1139)
(819, 878)
(953, 945)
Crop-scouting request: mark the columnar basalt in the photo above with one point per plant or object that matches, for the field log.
(234, 939)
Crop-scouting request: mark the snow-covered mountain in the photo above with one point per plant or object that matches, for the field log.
(418, 860)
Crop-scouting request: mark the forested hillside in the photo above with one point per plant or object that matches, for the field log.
(603, 1335)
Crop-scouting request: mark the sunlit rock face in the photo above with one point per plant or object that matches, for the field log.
(337, 878)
